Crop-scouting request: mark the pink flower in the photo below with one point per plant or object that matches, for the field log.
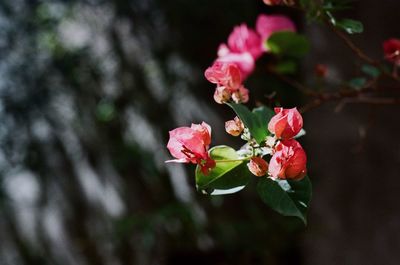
(258, 166)
(391, 48)
(242, 39)
(286, 124)
(224, 74)
(234, 127)
(289, 161)
(190, 145)
(266, 25)
(244, 61)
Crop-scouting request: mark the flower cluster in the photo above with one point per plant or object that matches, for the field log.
(288, 159)
(236, 59)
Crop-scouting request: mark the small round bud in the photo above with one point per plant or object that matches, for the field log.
(234, 127)
(258, 166)
(221, 95)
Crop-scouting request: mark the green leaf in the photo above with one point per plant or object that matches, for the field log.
(226, 177)
(350, 26)
(357, 82)
(371, 70)
(288, 43)
(256, 121)
(289, 198)
(286, 67)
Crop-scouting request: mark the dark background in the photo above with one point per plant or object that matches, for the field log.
(89, 91)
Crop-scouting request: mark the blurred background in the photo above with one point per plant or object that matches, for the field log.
(88, 93)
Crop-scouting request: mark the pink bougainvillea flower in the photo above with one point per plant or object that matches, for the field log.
(243, 39)
(234, 127)
(226, 74)
(241, 95)
(289, 161)
(244, 61)
(258, 166)
(391, 48)
(266, 25)
(286, 123)
(190, 145)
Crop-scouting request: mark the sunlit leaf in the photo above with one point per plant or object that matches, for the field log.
(226, 177)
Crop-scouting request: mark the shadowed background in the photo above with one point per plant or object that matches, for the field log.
(88, 93)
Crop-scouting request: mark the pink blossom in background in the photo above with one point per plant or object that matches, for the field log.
(258, 166)
(286, 123)
(391, 49)
(289, 161)
(243, 39)
(266, 25)
(273, 2)
(244, 61)
(190, 145)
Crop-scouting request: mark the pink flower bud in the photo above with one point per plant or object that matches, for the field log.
(222, 95)
(391, 48)
(234, 127)
(289, 161)
(241, 96)
(286, 124)
(321, 70)
(258, 166)
(266, 25)
(190, 145)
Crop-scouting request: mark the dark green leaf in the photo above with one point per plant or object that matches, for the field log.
(357, 82)
(350, 26)
(226, 177)
(286, 67)
(371, 70)
(289, 198)
(256, 121)
(288, 43)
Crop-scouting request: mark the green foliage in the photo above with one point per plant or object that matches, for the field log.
(370, 70)
(226, 177)
(256, 121)
(286, 67)
(289, 198)
(358, 82)
(288, 43)
(350, 26)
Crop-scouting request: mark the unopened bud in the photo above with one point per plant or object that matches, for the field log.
(234, 127)
(258, 166)
(222, 95)
(241, 95)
